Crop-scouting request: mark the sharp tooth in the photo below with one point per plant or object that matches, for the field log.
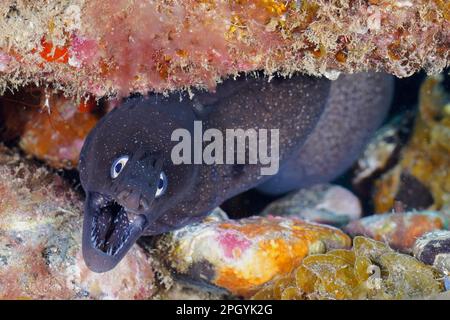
(99, 242)
(116, 249)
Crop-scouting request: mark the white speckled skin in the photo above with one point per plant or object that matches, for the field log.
(356, 107)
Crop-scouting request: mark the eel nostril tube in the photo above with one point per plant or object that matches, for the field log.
(132, 201)
(144, 204)
(129, 199)
(123, 195)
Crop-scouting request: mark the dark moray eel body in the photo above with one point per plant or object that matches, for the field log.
(356, 107)
(322, 127)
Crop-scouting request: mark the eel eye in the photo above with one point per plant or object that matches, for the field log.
(118, 166)
(162, 185)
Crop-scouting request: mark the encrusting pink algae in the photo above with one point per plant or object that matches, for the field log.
(121, 46)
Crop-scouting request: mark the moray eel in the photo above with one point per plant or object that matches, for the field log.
(133, 188)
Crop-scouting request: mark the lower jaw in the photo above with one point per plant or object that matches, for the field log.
(100, 210)
(100, 261)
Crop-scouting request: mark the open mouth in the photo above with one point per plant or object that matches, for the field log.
(109, 231)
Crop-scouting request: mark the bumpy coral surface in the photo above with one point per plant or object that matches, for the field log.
(125, 45)
(371, 270)
(241, 255)
(40, 235)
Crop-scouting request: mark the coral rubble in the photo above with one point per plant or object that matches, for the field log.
(121, 46)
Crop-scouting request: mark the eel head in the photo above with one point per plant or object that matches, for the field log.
(130, 183)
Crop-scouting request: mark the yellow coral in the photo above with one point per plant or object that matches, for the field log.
(371, 270)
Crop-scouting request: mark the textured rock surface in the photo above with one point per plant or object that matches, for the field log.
(240, 255)
(399, 230)
(433, 248)
(329, 204)
(371, 270)
(40, 234)
(125, 45)
(381, 153)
